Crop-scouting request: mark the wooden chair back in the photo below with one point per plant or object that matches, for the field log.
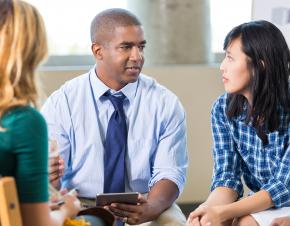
(9, 205)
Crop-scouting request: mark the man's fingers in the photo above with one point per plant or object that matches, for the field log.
(120, 213)
(54, 161)
(56, 167)
(53, 169)
(124, 207)
(53, 177)
(141, 199)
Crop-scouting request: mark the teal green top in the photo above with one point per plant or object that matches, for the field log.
(24, 153)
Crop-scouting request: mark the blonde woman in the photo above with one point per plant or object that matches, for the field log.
(23, 132)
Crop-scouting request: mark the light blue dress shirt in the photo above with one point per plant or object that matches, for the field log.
(77, 116)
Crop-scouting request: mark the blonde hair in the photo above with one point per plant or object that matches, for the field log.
(23, 46)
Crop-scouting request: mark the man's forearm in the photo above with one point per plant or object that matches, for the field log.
(162, 195)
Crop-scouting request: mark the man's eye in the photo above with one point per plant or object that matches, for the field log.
(125, 47)
(141, 47)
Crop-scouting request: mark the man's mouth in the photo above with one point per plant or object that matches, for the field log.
(134, 69)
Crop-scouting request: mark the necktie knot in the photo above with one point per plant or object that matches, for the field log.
(117, 101)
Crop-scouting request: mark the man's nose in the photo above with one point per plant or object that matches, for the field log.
(136, 54)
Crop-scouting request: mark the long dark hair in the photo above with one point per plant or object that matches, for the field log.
(268, 61)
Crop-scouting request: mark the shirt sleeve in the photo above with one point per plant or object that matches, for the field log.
(58, 118)
(227, 162)
(29, 133)
(171, 158)
(279, 184)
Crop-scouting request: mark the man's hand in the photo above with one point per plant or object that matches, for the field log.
(56, 164)
(160, 198)
(56, 170)
(132, 214)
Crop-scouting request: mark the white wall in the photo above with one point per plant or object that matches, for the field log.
(197, 87)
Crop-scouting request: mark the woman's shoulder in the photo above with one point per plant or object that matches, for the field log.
(220, 103)
(22, 116)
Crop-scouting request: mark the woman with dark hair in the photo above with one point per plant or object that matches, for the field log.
(250, 126)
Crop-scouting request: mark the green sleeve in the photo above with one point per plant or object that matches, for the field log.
(30, 146)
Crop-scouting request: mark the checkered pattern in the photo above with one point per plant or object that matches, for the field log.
(238, 152)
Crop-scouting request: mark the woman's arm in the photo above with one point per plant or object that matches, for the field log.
(30, 148)
(221, 196)
(39, 214)
(257, 202)
(221, 207)
(218, 197)
(226, 181)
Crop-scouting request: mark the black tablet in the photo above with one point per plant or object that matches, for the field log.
(108, 198)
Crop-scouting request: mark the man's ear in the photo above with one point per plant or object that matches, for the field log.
(97, 51)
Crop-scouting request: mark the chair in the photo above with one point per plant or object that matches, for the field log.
(9, 205)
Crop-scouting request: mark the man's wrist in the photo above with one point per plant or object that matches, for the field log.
(155, 208)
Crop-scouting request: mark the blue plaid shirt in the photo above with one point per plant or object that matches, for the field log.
(238, 151)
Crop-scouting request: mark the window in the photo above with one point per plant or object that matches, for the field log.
(68, 23)
(226, 14)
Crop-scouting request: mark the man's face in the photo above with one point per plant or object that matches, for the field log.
(121, 58)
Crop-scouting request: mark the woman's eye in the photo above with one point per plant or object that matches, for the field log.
(229, 57)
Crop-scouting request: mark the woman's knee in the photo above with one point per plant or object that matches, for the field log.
(246, 221)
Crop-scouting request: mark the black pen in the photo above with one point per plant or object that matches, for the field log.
(60, 203)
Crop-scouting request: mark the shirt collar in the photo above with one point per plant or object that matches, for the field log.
(99, 88)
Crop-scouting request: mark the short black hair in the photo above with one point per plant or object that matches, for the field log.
(268, 61)
(106, 21)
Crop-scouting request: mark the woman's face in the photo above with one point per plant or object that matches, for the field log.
(235, 72)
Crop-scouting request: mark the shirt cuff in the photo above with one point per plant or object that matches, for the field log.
(237, 186)
(179, 181)
(278, 192)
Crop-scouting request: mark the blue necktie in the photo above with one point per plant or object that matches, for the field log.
(115, 147)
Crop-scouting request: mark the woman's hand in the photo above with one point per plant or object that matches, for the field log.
(71, 205)
(281, 221)
(205, 216)
(56, 197)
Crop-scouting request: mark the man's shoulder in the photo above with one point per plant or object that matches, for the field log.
(150, 85)
(76, 83)
(69, 90)
(146, 81)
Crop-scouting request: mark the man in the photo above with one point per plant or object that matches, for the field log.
(79, 119)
